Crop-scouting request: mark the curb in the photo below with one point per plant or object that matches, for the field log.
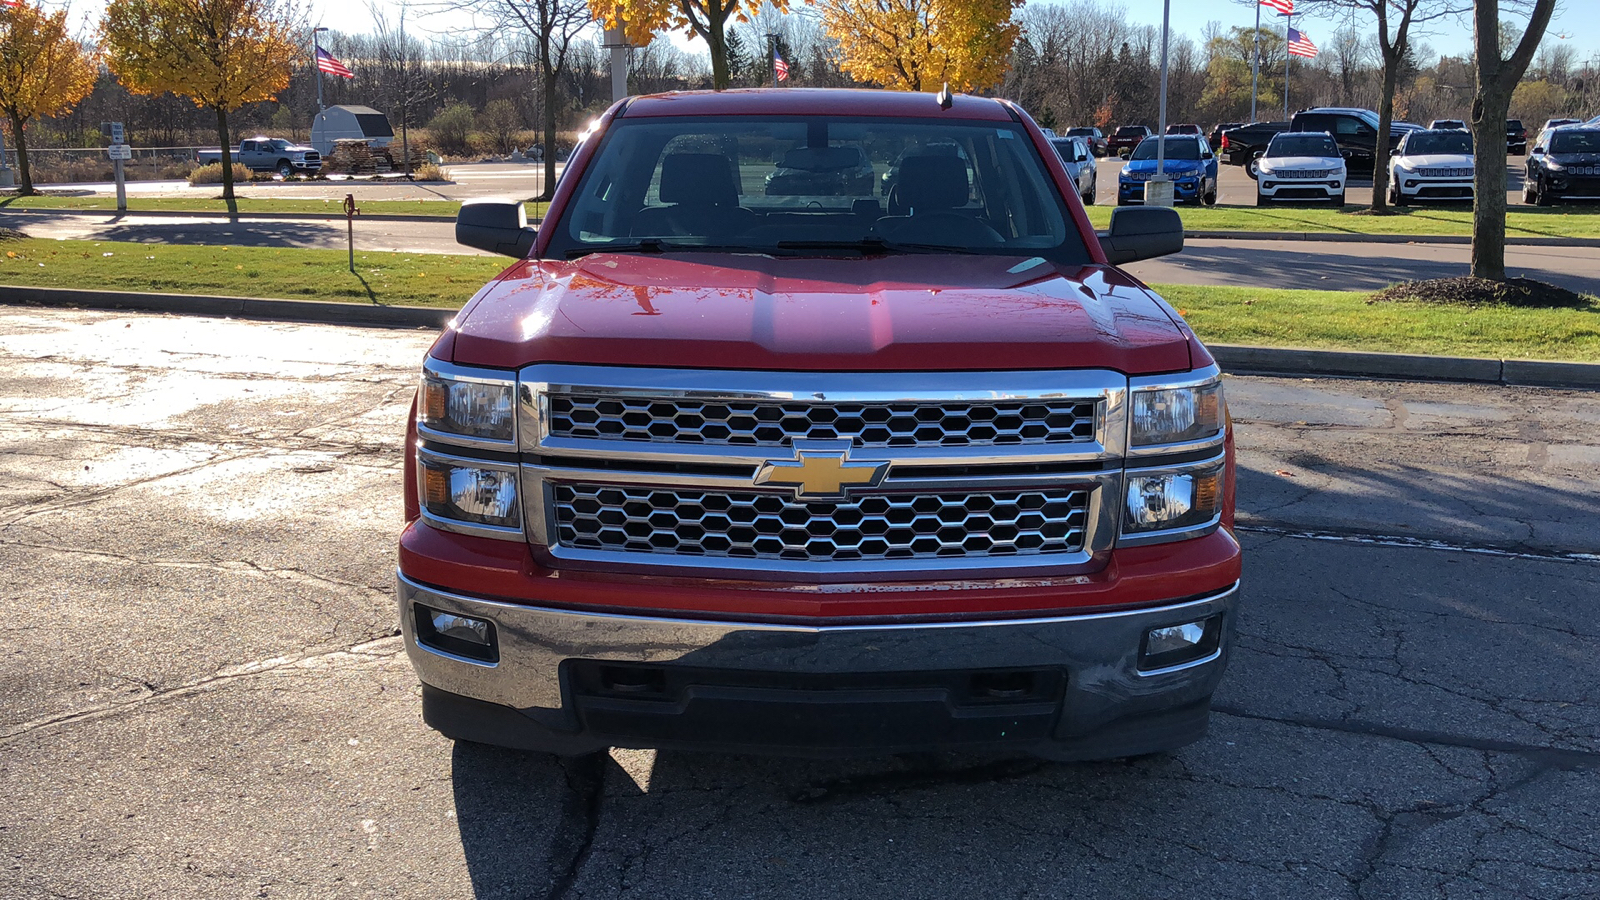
(234, 307)
(1247, 360)
(182, 214)
(1233, 358)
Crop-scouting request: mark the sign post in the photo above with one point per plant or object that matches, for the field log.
(119, 152)
(350, 211)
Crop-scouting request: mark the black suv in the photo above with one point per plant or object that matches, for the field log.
(1126, 139)
(1516, 137)
(1355, 130)
(1567, 169)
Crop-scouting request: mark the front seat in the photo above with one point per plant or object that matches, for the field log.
(923, 206)
(701, 197)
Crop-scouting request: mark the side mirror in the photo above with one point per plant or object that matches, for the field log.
(498, 226)
(1142, 233)
(1207, 155)
(1537, 151)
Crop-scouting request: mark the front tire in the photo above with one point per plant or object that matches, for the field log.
(1263, 199)
(1337, 201)
(1541, 197)
(1399, 199)
(286, 170)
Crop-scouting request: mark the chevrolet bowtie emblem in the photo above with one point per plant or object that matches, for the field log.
(821, 470)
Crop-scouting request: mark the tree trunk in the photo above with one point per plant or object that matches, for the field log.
(1489, 184)
(227, 157)
(716, 20)
(25, 189)
(549, 135)
(1380, 145)
(1494, 79)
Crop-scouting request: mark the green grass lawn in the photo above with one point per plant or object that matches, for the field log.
(1224, 315)
(412, 279)
(250, 205)
(1344, 320)
(1577, 221)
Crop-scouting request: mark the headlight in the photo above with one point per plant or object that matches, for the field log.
(1172, 501)
(477, 405)
(1178, 414)
(1552, 165)
(460, 490)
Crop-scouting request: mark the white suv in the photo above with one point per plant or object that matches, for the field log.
(1299, 165)
(1431, 165)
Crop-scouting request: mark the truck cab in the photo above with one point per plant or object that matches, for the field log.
(892, 466)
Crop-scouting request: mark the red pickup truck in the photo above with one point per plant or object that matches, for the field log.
(718, 465)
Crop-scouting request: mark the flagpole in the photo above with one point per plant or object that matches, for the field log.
(316, 65)
(1286, 56)
(1255, 64)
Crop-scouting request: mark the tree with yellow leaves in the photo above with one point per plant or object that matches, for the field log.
(705, 19)
(222, 54)
(918, 45)
(43, 72)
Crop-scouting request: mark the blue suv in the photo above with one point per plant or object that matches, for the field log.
(1189, 163)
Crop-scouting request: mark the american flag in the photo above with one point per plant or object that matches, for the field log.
(1284, 6)
(327, 63)
(780, 66)
(11, 3)
(1300, 45)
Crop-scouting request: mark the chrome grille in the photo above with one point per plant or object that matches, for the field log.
(985, 423)
(754, 525)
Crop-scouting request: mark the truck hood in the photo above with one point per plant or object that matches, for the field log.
(752, 311)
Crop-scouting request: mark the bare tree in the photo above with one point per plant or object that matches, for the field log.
(553, 27)
(1396, 20)
(1496, 78)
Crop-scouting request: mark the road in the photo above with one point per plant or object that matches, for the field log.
(206, 697)
(1278, 264)
(466, 180)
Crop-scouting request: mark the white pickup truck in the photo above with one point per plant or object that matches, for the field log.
(264, 154)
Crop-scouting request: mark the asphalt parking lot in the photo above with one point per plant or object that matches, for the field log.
(207, 697)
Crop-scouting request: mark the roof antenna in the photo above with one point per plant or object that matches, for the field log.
(944, 98)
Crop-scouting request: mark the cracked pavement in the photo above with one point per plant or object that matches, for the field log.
(206, 695)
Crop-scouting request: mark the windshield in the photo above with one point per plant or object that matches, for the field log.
(1575, 142)
(1302, 145)
(1444, 142)
(1177, 148)
(816, 185)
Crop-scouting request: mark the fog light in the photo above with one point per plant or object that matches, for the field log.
(463, 628)
(456, 634)
(1176, 645)
(1173, 638)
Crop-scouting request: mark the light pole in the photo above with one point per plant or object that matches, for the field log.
(1158, 190)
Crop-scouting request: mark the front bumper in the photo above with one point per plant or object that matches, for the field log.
(1435, 188)
(1183, 189)
(1065, 687)
(1300, 188)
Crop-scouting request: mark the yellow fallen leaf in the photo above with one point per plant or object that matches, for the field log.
(238, 267)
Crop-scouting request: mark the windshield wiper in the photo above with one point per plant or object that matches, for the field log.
(871, 245)
(656, 245)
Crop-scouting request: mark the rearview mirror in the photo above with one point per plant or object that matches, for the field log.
(498, 226)
(1142, 233)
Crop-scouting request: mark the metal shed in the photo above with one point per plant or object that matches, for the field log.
(350, 122)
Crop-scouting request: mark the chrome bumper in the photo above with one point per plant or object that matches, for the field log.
(1099, 652)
